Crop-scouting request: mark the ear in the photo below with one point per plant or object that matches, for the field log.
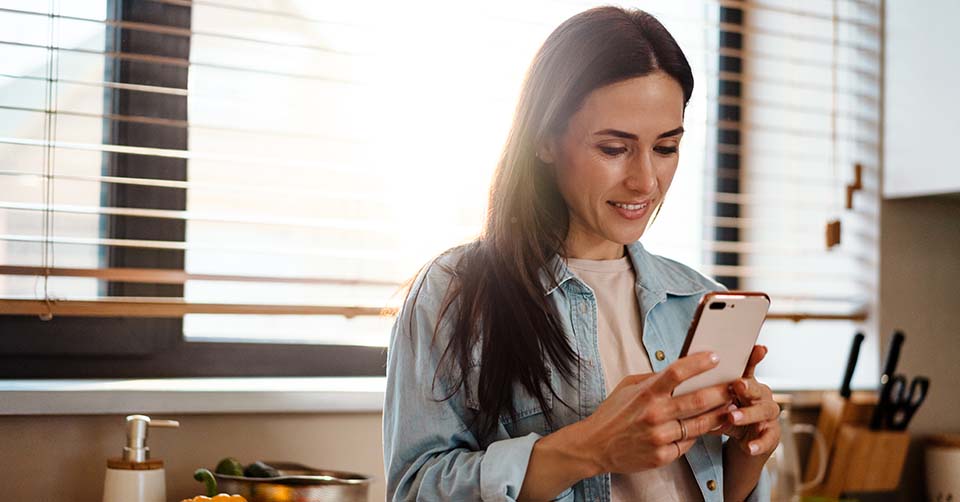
(546, 151)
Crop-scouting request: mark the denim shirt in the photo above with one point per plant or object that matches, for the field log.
(432, 453)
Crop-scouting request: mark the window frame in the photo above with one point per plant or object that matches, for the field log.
(727, 177)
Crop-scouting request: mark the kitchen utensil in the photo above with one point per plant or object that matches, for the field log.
(902, 404)
(298, 483)
(886, 380)
(851, 365)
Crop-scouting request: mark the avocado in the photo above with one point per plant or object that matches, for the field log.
(229, 466)
(259, 469)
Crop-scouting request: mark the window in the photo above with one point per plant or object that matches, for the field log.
(239, 187)
(329, 152)
(797, 110)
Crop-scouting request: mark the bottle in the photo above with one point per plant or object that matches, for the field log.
(135, 477)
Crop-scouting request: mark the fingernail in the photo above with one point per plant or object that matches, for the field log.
(736, 415)
(714, 358)
(732, 407)
(754, 449)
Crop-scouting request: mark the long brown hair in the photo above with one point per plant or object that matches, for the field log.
(501, 303)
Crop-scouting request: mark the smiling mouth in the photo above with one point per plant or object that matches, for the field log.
(629, 206)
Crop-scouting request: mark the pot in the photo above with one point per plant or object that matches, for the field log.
(298, 483)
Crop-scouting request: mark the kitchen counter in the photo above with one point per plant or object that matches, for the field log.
(192, 395)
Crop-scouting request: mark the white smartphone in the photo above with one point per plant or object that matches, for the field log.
(727, 323)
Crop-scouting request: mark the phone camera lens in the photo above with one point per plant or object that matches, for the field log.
(717, 305)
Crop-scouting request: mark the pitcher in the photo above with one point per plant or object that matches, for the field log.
(784, 465)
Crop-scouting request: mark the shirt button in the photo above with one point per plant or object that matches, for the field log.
(711, 485)
(583, 308)
(660, 355)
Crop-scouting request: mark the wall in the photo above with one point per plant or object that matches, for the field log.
(920, 295)
(53, 458)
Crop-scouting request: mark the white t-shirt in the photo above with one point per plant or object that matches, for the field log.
(619, 330)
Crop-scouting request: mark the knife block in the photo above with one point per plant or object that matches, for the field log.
(866, 461)
(858, 459)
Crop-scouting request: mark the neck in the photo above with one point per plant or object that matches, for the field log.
(581, 246)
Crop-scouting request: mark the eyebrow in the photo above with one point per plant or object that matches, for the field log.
(627, 135)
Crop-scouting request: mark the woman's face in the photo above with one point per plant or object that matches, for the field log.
(616, 160)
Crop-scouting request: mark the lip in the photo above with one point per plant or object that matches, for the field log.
(631, 215)
(645, 201)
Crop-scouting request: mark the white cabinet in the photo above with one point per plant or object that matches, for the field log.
(921, 98)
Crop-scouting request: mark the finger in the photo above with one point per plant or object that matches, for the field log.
(727, 427)
(756, 355)
(722, 430)
(686, 445)
(706, 423)
(699, 402)
(671, 431)
(748, 390)
(668, 453)
(766, 442)
(764, 411)
(682, 369)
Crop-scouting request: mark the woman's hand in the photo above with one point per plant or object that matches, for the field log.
(752, 422)
(640, 425)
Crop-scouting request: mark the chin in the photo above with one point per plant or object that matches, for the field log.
(626, 238)
(628, 235)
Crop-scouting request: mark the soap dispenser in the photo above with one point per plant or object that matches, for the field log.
(135, 477)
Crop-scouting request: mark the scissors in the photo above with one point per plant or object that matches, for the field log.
(902, 403)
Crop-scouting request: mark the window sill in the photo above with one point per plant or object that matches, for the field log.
(192, 395)
(224, 395)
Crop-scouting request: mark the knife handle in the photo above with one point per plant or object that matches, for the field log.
(893, 355)
(851, 365)
(886, 382)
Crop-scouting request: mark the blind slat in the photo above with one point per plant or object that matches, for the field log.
(166, 308)
(359, 224)
(769, 248)
(159, 276)
(180, 62)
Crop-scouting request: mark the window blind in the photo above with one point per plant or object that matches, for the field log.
(319, 153)
(797, 120)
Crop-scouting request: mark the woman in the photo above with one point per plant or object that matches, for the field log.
(538, 362)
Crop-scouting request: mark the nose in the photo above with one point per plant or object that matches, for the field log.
(641, 175)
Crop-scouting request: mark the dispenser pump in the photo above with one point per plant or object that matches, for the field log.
(135, 477)
(138, 427)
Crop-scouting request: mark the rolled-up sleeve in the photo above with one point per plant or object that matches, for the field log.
(430, 452)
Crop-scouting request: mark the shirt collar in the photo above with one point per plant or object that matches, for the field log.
(655, 274)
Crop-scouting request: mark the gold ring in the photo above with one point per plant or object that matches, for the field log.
(679, 452)
(683, 430)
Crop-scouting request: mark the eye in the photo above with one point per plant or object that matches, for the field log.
(612, 151)
(666, 150)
